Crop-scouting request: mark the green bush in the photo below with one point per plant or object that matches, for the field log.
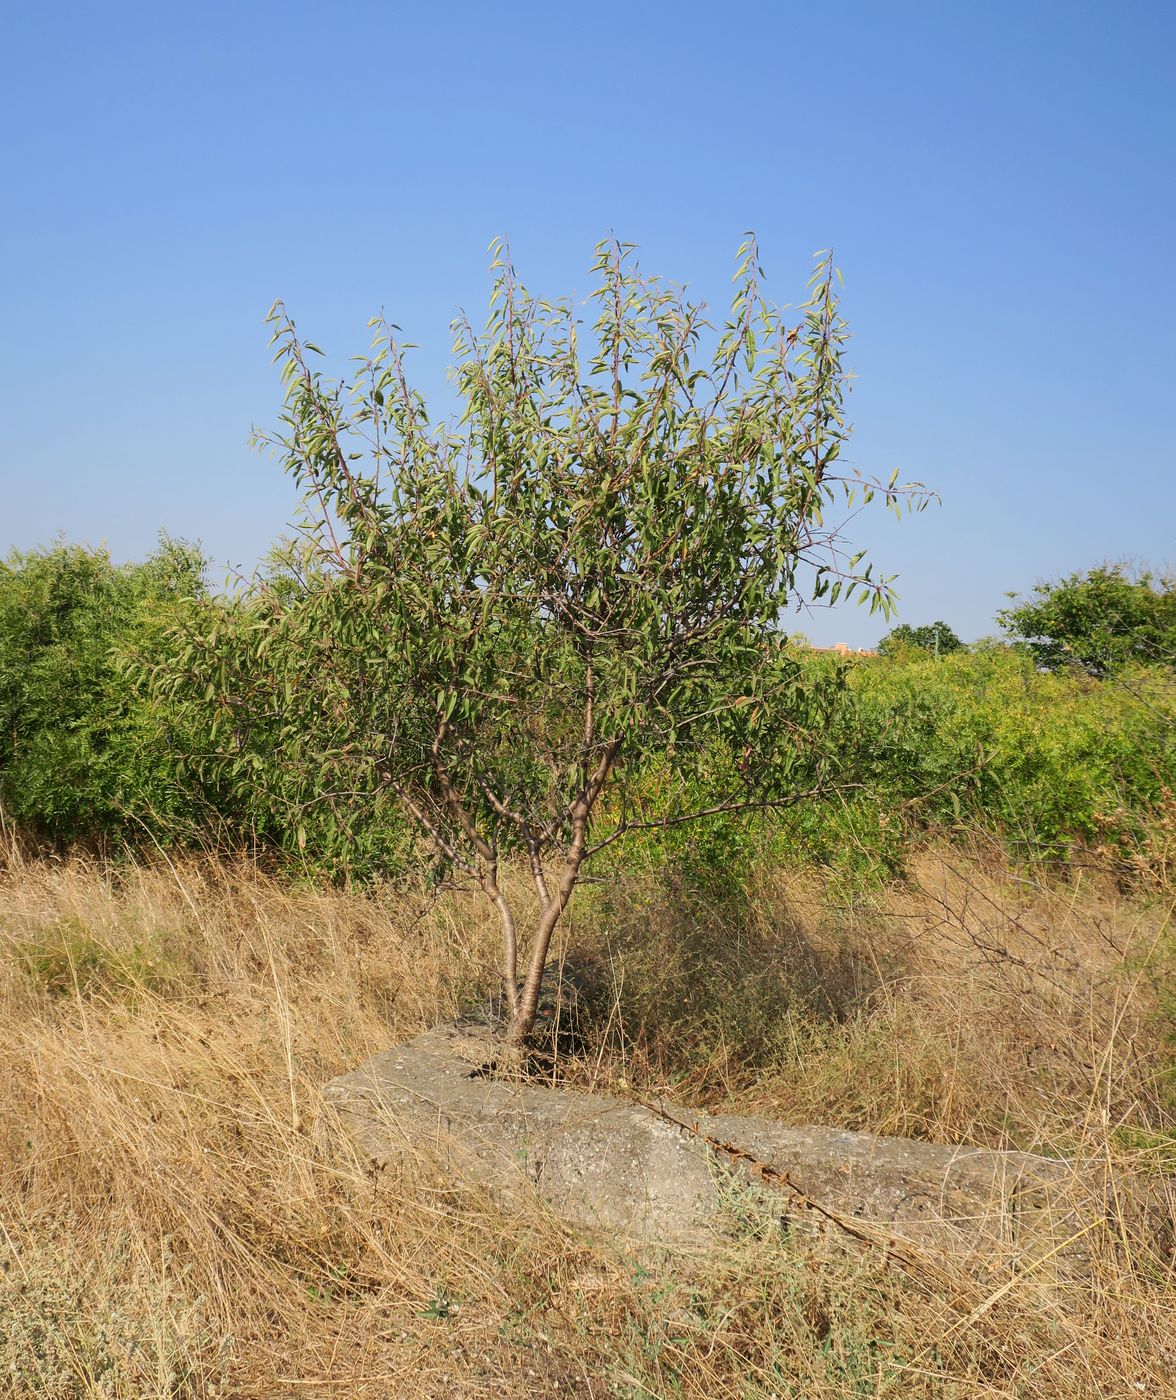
(1045, 761)
(1100, 621)
(82, 755)
(245, 759)
(1054, 766)
(1052, 763)
(935, 637)
(89, 755)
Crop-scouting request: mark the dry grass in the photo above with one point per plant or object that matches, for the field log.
(170, 1225)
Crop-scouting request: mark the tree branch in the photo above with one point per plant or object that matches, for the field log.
(720, 809)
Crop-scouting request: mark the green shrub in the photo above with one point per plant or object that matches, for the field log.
(1100, 621)
(1049, 762)
(935, 637)
(1054, 764)
(82, 755)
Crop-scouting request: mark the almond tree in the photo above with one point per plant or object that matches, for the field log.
(511, 618)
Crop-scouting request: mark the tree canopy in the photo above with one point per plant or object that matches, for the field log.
(935, 637)
(1101, 620)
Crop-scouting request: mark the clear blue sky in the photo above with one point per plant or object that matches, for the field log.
(998, 180)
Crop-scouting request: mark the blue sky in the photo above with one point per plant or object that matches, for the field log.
(997, 180)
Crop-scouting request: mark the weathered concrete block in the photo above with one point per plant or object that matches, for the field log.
(659, 1176)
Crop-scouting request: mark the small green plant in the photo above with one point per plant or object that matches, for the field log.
(66, 1334)
(441, 1307)
(333, 1287)
(747, 1209)
(860, 1365)
(66, 960)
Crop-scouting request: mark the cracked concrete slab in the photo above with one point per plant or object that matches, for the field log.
(659, 1175)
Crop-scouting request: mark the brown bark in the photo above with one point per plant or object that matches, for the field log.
(523, 1020)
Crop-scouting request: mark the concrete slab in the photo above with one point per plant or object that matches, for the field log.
(660, 1175)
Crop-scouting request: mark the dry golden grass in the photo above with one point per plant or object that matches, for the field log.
(171, 1225)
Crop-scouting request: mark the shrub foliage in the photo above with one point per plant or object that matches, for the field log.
(81, 754)
(1100, 621)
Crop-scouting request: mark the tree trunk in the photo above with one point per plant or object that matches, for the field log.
(523, 1020)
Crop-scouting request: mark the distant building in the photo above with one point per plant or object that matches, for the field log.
(842, 650)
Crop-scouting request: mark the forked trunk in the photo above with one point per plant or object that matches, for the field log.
(523, 1020)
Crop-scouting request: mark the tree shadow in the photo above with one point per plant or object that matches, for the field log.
(696, 979)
